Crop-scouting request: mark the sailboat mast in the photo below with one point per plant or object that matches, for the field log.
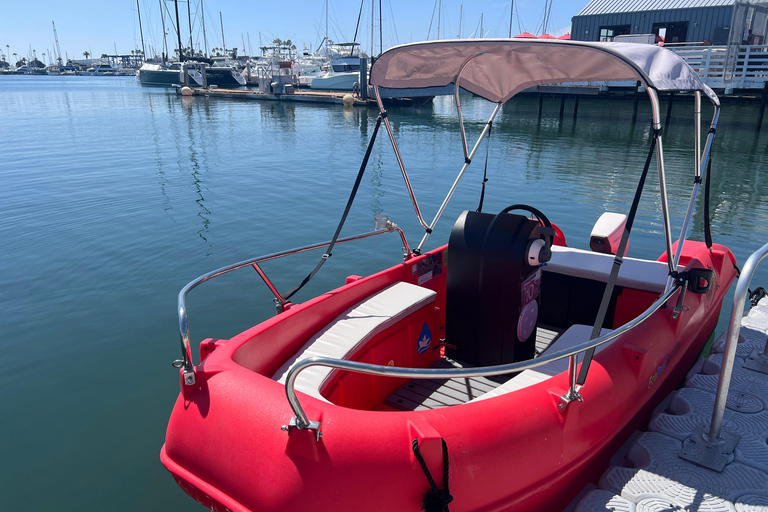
(165, 40)
(178, 29)
(381, 32)
(439, 14)
(461, 15)
(482, 34)
(221, 20)
(141, 32)
(189, 17)
(327, 52)
(202, 17)
(373, 24)
(511, 10)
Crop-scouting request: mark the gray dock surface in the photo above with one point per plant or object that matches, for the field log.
(650, 476)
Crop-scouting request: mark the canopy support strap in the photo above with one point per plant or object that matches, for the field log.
(351, 199)
(617, 261)
(485, 170)
(458, 178)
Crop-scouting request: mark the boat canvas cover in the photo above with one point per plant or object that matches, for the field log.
(497, 69)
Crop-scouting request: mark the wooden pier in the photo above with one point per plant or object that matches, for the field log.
(300, 96)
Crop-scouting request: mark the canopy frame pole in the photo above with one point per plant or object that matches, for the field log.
(700, 162)
(656, 108)
(399, 158)
(458, 104)
(458, 178)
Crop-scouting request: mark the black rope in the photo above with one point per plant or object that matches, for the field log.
(707, 232)
(327, 253)
(617, 261)
(435, 499)
(485, 169)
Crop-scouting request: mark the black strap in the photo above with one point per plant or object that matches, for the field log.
(485, 169)
(327, 253)
(435, 499)
(707, 232)
(617, 261)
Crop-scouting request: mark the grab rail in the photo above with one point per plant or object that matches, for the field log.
(731, 340)
(301, 421)
(186, 352)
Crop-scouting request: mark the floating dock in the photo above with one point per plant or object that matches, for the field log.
(648, 474)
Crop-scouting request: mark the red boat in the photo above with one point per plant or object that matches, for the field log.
(453, 379)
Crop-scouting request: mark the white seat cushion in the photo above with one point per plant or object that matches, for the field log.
(646, 275)
(575, 335)
(352, 329)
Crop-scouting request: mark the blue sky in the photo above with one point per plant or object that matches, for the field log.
(99, 26)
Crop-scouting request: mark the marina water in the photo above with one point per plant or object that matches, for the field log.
(113, 197)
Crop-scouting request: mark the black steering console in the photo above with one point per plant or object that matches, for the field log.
(493, 285)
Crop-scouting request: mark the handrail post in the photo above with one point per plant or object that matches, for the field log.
(713, 448)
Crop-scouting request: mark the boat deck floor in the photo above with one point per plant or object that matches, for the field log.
(420, 394)
(648, 474)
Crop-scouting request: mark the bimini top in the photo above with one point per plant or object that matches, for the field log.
(497, 69)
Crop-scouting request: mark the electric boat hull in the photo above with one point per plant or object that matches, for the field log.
(516, 451)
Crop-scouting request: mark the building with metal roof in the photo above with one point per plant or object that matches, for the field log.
(676, 21)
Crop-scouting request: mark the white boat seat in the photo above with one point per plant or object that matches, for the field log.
(574, 335)
(352, 329)
(646, 275)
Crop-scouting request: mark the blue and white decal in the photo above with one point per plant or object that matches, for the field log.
(425, 338)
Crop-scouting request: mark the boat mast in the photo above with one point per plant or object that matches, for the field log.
(224, 43)
(165, 40)
(461, 15)
(373, 25)
(202, 17)
(189, 17)
(178, 30)
(481, 25)
(381, 32)
(511, 10)
(141, 32)
(439, 13)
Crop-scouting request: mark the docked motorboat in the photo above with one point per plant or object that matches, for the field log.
(224, 76)
(343, 71)
(160, 75)
(498, 372)
(342, 75)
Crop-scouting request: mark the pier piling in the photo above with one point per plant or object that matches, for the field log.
(575, 107)
(670, 100)
(763, 100)
(541, 104)
(635, 101)
(562, 106)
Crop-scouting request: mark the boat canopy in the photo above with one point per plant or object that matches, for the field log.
(497, 69)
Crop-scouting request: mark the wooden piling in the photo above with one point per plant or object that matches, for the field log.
(763, 100)
(575, 107)
(562, 105)
(634, 105)
(541, 104)
(670, 100)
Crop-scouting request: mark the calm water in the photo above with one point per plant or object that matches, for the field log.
(113, 197)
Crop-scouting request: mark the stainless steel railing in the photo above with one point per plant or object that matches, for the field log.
(301, 421)
(732, 339)
(186, 363)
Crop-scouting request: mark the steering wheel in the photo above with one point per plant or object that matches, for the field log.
(540, 216)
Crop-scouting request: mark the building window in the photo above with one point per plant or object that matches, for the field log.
(672, 32)
(608, 33)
